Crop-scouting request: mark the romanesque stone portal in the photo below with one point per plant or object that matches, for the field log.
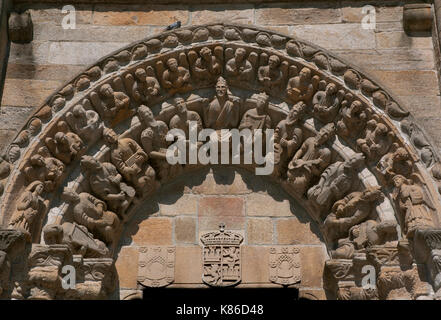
(344, 150)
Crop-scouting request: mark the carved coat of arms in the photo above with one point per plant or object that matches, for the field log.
(156, 266)
(284, 265)
(221, 258)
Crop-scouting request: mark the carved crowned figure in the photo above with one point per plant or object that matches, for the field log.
(258, 117)
(310, 160)
(377, 140)
(288, 137)
(334, 183)
(131, 161)
(354, 117)
(146, 86)
(223, 110)
(111, 104)
(107, 184)
(302, 87)
(65, 145)
(207, 66)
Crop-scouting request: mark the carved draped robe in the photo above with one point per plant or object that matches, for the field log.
(224, 116)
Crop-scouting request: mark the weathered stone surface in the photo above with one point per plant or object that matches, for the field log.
(429, 106)
(401, 39)
(127, 267)
(259, 231)
(81, 53)
(13, 118)
(408, 83)
(390, 59)
(34, 53)
(41, 13)
(25, 93)
(259, 204)
(220, 206)
(139, 15)
(189, 260)
(240, 13)
(91, 33)
(6, 137)
(337, 36)
(297, 14)
(154, 231)
(255, 262)
(312, 260)
(293, 231)
(173, 205)
(185, 230)
(431, 126)
(42, 72)
(212, 222)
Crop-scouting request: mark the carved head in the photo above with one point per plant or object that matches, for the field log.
(381, 129)
(273, 61)
(110, 136)
(61, 138)
(325, 133)
(372, 194)
(172, 64)
(398, 180)
(356, 106)
(240, 54)
(78, 111)
(297, 112)
(331, 88)
(36, 186)
(221, 87)
(400, 155)
(89, 163)
(181, 105)
(106, 90)
(357, 161)
(58, 102)
(205, 53)
(262, 102)
(69, 195)
(141, 74)
(145, 114)
(305, 74)
(37, 160)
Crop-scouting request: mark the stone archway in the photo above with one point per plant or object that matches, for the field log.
(344, 148)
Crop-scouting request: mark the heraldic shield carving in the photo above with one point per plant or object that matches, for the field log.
(284, 263)
(156, 267)
(221, 258)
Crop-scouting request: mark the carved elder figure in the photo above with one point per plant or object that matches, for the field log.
(146, 86)
(258, 117)
(302, 87)
(131, 161)
(65, 146)
(207, 66)
(30, 207)
(154, 143)
(176, 78)
(239, 68)
(87, 124)
(354, 117)
(183, 116)
(310, 160)
(47, 169)
(288, 137)
(415, 206)
(327, 103)
(110, 103)
(92, 213)
(334, 183)
(395, 162)
(270, 76)
(377, 141)
(350, 211)
(106, 183)
(223, 110)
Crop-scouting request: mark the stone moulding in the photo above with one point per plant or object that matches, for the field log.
(369, 142)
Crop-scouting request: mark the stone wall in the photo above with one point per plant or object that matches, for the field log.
(402, 63)
(197, 203)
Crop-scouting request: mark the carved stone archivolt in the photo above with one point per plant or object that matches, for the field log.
(344, 149)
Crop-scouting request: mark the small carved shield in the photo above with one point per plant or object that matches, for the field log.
(221, 258)
(284, 265)
(156, 267)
